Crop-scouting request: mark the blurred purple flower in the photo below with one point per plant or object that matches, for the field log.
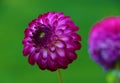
(51, 41)
(104, 42)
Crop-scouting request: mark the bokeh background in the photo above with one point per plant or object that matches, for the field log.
(14, 18)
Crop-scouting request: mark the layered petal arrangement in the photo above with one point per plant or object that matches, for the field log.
(51, 41)
(104, 42)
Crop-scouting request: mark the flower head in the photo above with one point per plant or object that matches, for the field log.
(51, 41)
(104, 42)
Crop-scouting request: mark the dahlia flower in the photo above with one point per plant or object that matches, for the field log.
(51, 41)
(104, 42)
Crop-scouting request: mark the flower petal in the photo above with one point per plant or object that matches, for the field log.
(61, 52)
(71, 55)
(65, 38)
(52, 65)
(28, 50)
(31, 58)
(76, 37)
(42, 63)
(52, 48)
(62, 62)
(59, 32)
(27, 40)
(75, 45)
(53, 55)
(60, 44)
(43, 53)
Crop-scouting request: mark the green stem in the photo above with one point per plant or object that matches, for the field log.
(59, 76)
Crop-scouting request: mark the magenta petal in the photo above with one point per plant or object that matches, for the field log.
(27, 40)
(61, 52)
(55, 23)
(60, 44)
(73, 45)
(44, 54)
(42, 63)
(70, 45)
(63, 20)
(76, 37)
(52, 65)
(26, 50)
(77, 45)
(31, 49)
(52, 49)
(63, 62)
(59, 32)
(31, 59)
(72, 55)
(28, 32)
(53, 56)
(62, 27)
(65, 38)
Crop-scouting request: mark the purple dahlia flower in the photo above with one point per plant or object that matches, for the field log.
(104, 42)
(51, 41)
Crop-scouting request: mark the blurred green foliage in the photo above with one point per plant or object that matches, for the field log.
(113, 76)
(14, 18)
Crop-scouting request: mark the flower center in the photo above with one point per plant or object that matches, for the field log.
(41, 37)
(42, 34)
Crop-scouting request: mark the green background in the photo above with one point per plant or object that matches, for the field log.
(14, 18)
